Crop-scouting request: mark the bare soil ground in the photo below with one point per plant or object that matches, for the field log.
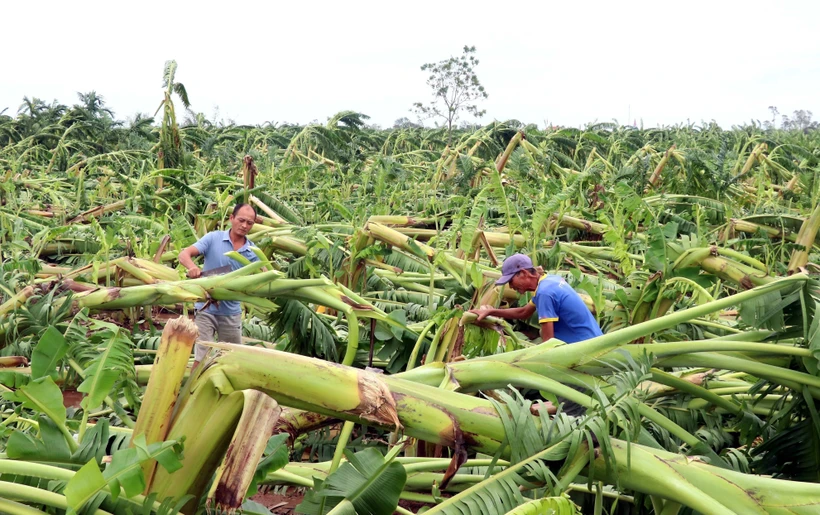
(72, 398)
(280, 504)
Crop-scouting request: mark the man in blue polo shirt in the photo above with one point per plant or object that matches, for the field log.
(561, 311)
(223, 319)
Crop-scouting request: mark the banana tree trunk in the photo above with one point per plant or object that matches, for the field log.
(805, 240)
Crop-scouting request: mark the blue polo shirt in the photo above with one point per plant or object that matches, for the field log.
(213, 246)
(557, 302)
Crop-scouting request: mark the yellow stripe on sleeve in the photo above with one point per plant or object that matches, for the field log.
(545, 320)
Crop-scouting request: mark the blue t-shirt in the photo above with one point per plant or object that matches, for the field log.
(213, 246)
(557, 302)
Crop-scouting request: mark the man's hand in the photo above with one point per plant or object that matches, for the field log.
(481, 314)
(185, 260)
(521, 313)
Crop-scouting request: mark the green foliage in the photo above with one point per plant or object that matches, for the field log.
(307, 332)
(124, 475)
(367, 484)
(108, 358)
(48, 353)
(551, 505)
(49, 445)
(42, 396)
(578, 200)
(28, 322)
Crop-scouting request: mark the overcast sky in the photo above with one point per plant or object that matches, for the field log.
(568, 63)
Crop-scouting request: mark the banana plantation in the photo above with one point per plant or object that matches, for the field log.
(363, 384)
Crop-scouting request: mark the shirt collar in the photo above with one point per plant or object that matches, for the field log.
(226, 236)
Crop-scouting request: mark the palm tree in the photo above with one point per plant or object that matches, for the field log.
(35, 114)
(94, 104)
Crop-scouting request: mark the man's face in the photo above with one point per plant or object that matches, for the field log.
(524, 281)
(243, 221)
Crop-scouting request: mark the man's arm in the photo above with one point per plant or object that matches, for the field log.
(547, 331)
(186, 261)
(521, 313)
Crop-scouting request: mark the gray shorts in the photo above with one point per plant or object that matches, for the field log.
(217, 328)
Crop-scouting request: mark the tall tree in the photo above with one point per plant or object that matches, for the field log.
(456, 89)
(405, 123)
(800, 120)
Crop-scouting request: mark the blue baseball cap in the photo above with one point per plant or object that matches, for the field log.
(512, 265)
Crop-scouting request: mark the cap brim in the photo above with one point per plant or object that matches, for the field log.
(504, 279)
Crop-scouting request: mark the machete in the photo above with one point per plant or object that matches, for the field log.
(216, 271)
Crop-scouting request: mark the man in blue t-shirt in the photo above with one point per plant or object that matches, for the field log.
(561, 311)
(222, 319)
